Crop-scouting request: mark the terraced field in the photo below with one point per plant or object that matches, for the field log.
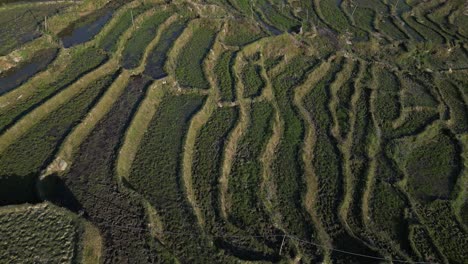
(224, 131)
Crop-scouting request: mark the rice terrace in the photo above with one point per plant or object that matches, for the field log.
(233, 131)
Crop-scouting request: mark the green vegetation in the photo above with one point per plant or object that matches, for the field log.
(110, 40)
(225, 131)
(275, 17)
(156, 175)
(81, 62)
(189, 66)
(146, 32)
(458, 110)
(333, 15)
(421, 243)
(446, 232)
(224, 75)
(252, 80)
(158, 56)
(286, 166)
(36, 148)
(246, 172)
(38, 233)
(240, 33)
(432, 168)
(22, 24)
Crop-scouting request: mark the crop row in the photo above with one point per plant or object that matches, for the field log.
(90, 186)
(158, 56)
(81, 62)
(36, 148)
(252, 80)
(20, 74)
(224, 75)
(358, 160)
(189, 65)
(286, 166)
(110, 40)
(246, 207)
(386, 100)
(206, 169)
(328, 170)
(20, 24)
(156, 173)
(333, 15)
(344, 103)
(146, 32)
(414, 122)
(275, 17)
(458, 109)
(387, 26)
(240, 33)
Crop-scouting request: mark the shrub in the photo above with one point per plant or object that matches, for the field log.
(146, 32)
(458, 109)
(189, 65)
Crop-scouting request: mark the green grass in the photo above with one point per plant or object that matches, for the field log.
(36, 148)
(431, 168)
(81, 62)
(189, 65)
(110, 40)
(224, 75)
(41, 233)
(252, 80)
(146, 32)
